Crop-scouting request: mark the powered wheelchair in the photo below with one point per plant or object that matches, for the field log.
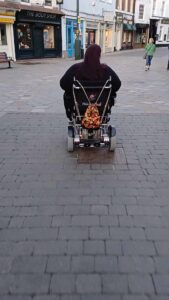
(84, 94)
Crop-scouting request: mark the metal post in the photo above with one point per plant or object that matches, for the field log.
(77, 40)
(168, 59)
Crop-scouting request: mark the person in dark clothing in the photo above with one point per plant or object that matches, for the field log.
(89, 70)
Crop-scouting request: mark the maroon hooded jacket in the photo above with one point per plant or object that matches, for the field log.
(89, 70)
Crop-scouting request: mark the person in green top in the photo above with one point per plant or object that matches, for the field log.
(150, 48)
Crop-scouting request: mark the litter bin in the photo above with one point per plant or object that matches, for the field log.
(77, 48)
(82, 53)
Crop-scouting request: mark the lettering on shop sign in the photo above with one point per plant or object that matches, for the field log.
(41, 15)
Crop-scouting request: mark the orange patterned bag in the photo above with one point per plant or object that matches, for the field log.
(91, 117)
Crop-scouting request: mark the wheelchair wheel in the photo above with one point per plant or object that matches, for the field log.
(70, 139)
(112, 138)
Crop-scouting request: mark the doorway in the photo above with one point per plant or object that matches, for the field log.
(70, 40)
(38, 41)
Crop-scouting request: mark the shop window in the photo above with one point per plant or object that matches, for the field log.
(141, 11)
(3, 38)
(48, 37)
(160, 34)
(24, 36)
(90, 37)
(168, 35)
(108, 38)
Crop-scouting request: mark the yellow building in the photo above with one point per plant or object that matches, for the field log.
(7, 19)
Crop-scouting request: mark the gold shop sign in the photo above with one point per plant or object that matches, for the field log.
(7, 20)
(7, 13)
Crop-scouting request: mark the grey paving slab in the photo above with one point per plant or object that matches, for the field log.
(88, 224)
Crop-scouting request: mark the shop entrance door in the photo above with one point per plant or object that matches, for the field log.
(69, 41)
(38, 42)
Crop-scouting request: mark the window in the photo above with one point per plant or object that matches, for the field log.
(129, 5)
(118, 4)
(160, 34)
(162, 8)
(24, 36)
(154, 6)
(168, 35)
(3, 39)
(123, 4)
(141, 11)
(27, 1)
(48, 37)
(48, 2)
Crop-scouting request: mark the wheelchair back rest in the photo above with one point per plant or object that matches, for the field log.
(86, 93)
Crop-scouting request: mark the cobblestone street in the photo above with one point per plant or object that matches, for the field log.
(87, 225)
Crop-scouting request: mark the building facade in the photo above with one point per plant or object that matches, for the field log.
(159, 22)
(7, 19)
(124, 26)
(96, 25)
(142, 22)
(36, 28)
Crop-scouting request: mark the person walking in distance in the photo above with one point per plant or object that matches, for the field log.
(150, 48)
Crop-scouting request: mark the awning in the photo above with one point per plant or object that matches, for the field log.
(127, 27)
(139, 25)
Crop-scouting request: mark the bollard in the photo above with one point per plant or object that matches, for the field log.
(168, 59)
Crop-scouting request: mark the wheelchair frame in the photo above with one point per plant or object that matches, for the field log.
(78, 136)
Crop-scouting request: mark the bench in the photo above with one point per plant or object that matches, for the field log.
(4, 58)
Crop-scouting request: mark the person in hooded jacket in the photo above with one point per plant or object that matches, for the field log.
(89, 70)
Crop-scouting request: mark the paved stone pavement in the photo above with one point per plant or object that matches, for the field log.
(88, 225)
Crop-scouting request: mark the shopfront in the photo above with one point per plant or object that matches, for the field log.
(71, 27)
(37, 34)
(91, 33)
(127, 36)
(140, 35)
(108, 37)
(7, 18)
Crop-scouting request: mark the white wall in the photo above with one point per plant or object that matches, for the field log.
(9, 48)
(147, 9)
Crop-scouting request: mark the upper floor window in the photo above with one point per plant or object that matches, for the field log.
(141, 11)
(48, 2)
(123, 4)
(162, 8)
(129, 5)
(154, 6)
(117, 4)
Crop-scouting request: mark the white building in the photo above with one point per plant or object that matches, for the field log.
(96, 24)
(124, 28)
(159, 22)
(142, 22)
